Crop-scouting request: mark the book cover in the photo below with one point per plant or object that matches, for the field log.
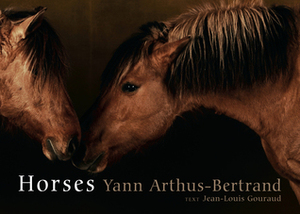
(204, 163)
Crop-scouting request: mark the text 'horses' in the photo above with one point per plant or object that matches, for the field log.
(32, 92)
(242, 60)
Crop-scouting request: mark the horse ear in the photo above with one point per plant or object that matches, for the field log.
(21, 29)
(168, 52)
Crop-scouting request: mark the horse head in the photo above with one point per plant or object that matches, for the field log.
(32, 91)
(134, 109)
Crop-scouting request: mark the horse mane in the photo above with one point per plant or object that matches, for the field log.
(43, 50)
(131, 51)
(233, 46)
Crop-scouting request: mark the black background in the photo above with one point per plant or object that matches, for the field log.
(198, 148)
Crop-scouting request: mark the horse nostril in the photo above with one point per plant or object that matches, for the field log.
(49, 141)
(49, 149)
(50, 144)
(73, 145)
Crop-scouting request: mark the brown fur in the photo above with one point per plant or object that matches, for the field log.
(33, 97)
(248, 71)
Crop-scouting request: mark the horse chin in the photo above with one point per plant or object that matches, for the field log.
(93, 166)
(99, 164)
(98, 168)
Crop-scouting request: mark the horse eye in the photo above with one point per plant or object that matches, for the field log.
(128, 87)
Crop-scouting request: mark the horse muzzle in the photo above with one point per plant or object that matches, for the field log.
(90, 165)
(52, 149)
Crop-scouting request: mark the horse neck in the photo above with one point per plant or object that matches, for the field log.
(272, 111)
(263, 108)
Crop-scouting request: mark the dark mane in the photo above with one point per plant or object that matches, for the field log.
(43, 49)
(131, 51)
(233, 46)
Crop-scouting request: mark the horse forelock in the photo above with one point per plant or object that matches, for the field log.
(137, 47)
(233, 46)
(42, 50)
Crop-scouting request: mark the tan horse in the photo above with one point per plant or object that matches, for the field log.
(32, 92)
(242, 60)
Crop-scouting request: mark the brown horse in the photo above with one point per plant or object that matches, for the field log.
(32, 92)
(242, 60)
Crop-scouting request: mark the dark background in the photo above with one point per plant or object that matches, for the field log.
(198, 148)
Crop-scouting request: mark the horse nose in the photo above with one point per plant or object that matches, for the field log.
(73, 145)
(77, 158)
(60, 151)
